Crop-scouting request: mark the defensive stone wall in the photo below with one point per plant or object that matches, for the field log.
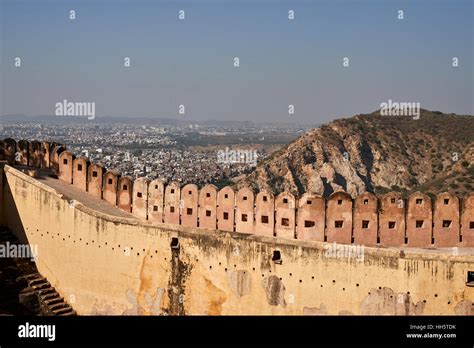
(390, 220)
(102, 261)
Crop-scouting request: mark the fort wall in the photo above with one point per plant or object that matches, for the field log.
(111, 261)
(107, 264)
(447, 221)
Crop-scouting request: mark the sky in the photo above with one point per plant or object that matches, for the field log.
(190, 62)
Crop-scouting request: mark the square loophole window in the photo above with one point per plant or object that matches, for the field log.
(366, 201)
(276, 257)
(244, 217)
(139, 194)
(419, 201)
(264, 219)
(308, 223)
(244, 198)
(226, 195)
(79, 167)
(285, 200)
(446, 223)
(471, 225)
(124, 187)
(174, 243)
(155, 208)
(365, 223)
(208, 194)
(110, 181)
(94, 174)
(470, 278)
(285, 222)
(419, 223)
(308, 202)
(446, 201)
(265, 199)
(64, 161)
(226, 216)
(391, 225)
(339, 202)
(172, 191)
(392, 200)
(338, 223)
(171, 209)
(208, 213)
(189, 211)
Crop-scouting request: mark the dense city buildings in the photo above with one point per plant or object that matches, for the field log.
(172, 150)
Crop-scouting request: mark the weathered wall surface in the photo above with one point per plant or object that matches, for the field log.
(112, 265)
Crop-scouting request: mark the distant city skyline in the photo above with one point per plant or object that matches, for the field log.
(190, 62)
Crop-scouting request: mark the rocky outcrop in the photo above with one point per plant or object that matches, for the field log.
(374, 153)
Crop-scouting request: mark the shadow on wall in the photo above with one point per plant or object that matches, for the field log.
(9, 214)
(367, 220)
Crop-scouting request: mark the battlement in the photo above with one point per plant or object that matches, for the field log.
(389, 220)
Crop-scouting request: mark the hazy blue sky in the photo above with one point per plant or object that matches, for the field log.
(190, 62)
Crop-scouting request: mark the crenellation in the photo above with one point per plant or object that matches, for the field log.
(172, 203)
(208, 207)
(156, 194)
(65, 164)
(446, 220)
(311, 217)
(419, 221)
(124, 193)
(140, 198)
(339, 218)
(244, 210)
(467, 221)
(45, 154)
(386, 221)
(365, 219)
(109, 187)
(226, 209)
(392, 220)
(22, 148)
(285, 209)
(34, 154)
(265, 214)
(189, 205)
(9, 150)
(79, 172)
(94, 179)
(54, 158)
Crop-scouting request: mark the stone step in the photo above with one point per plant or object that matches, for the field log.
(37, 281)
(58, 306)
(53, 301)
(48, 297)
(42, 286)
(64, 311)
(28, 277)
(33, 287)
(47, 291)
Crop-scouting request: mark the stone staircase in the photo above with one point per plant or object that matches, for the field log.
(25, 291)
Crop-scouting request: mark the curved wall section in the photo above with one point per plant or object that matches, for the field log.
(109, 262)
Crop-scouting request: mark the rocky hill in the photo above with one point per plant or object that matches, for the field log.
(375, 153)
